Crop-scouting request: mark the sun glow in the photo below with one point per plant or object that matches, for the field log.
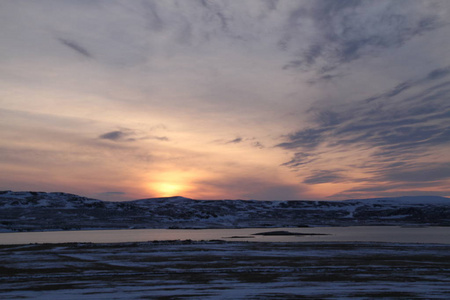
(169, 184)
(167, 189)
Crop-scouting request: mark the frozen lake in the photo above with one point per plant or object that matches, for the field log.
(388, 234)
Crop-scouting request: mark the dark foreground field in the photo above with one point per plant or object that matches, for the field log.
(225, 270)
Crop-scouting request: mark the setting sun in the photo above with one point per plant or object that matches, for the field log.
(167, 189)
(169, 183)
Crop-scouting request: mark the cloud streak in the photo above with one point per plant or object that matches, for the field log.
(235, 141)
(127, 135)
(394, 130)
(350, 30)
(325, 176)
(114, 135)
(75, 47)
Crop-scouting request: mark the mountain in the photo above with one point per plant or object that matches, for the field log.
(36, 211)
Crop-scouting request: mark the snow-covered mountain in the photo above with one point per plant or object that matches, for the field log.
(33, 211)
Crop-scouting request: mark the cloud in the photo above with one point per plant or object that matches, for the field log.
(417, 173)
(234, 141)
(257, 145)
(74, 46)
(114, 135)
(300, 158)
(239, 140)
(389, 193)
(325, 176)
(127, 135)
(159, 138)
(388, 121)
(411, 184)
(349, 30)
(402, 87)
(305, 138)
(393, 131)
(414, 178)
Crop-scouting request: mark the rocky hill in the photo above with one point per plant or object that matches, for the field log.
(35, 211)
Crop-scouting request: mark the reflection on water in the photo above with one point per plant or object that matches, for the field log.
(393, 234)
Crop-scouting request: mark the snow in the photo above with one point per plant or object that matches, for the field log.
(36, 211)
(225, 270)
(405, 200)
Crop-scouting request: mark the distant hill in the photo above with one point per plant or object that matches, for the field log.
(36, 211)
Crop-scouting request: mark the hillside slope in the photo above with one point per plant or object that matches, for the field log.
(35, 211)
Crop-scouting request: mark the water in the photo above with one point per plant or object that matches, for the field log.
(393, 234)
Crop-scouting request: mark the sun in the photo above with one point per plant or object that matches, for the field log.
(170, 183)
(167, 189)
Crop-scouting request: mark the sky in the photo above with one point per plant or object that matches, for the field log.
(265, 100)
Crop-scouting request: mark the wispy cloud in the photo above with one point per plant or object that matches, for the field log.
(258, 145)
(114, 135)
(416, 173)
(325, 176)
(391, 121)
(128, 135)
(350, 30)
(234, 141)
(395, 130)
(75, 47)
